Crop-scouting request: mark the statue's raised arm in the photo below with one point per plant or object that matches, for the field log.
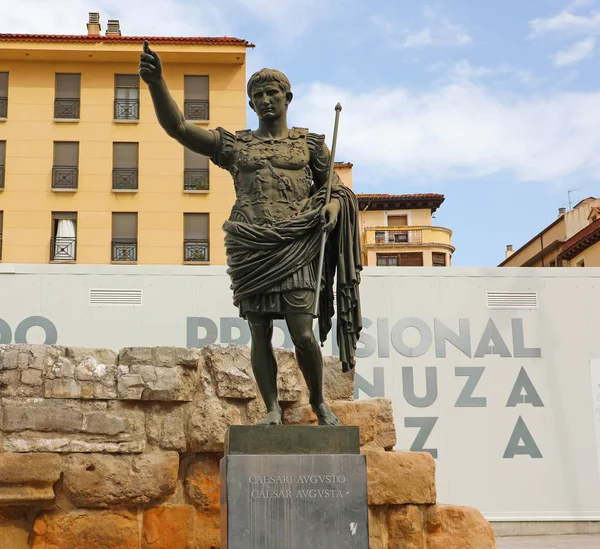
(168, 113)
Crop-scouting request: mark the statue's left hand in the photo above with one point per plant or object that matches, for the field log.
(329, 215)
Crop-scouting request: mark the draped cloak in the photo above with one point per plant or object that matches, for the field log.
(261, 256)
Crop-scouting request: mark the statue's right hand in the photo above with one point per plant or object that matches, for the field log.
(150, 67)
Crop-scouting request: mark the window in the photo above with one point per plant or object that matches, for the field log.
(411, 259)
(553, 263)
(124, 237)
(66, 102)
(64, 168)
(2, 162)
(1, 229)
(63, 243)
(125, 166)
(195, 245)
(438, 259)
(196, 97)
(3, 94)
(195, 175)
(581, 263)
(387, 260)
(127, 97)
(397, 220)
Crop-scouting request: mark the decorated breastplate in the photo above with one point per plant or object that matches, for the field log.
(272, 177)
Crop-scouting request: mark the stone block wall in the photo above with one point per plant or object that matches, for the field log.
(100, 450)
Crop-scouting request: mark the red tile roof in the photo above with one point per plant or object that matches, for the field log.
(426, 196)
(580, 241)
(188, 40)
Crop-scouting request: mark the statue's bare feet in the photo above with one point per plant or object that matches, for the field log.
(272, 418)
(325, 415)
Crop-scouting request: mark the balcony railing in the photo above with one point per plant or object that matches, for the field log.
(3, 106)
(127, 109)
(63, 248)
(408, 236)
(1, 177)
(64, 177)
(66, 108)
(125, 179)
(195, 179)
(393, 236)
(124, 249)
(195, 250)
(196, 109)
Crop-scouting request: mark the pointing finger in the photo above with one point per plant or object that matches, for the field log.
(146, 47)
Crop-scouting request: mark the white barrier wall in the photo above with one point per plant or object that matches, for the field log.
(496, 372)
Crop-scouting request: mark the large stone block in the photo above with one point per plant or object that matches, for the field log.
(373, 416)
(23, 368)
(208, 420)
(165, 426)
(28, 478)
(228, 372)
(169, 527)
(406, 528)
(167, 357)
(93, 480)
(82, 373)
(337, 385)
(14, 529)
(398, 478)
(378, 530)
(87, 530)
(454, 527)
(202, 483)
(162, 383)
(46, 425)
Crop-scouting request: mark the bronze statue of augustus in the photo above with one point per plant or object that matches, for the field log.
(273, 235)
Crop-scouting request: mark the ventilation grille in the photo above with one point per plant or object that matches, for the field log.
(103, 296)
(511, 300)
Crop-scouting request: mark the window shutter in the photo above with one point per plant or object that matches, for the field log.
(194, 161)
(397, 220)
(2, 152)
(438, 259)
(3, 84)
(125, 155)
(127, 81)
(68, 86)
(124, 225)
(411, 259)
(196, 87)
(196, 226)
(66, 153)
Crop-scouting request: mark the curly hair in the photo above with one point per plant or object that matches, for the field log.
(269, 75)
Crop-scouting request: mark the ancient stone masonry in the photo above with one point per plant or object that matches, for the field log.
(100, 450)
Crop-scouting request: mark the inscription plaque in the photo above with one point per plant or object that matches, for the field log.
(294, 502)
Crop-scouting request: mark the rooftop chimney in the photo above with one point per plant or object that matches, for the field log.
(509, 250)
(93, 25)
(113, 28)
(562, 211)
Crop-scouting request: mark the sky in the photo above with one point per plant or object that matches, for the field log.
(494, 104)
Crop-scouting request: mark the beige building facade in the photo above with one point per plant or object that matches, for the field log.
(398, 231)
(87, 175)
(569, 241)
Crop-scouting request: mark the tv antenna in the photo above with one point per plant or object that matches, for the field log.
(569, 192)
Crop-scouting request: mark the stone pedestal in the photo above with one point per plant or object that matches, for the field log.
(296, 487)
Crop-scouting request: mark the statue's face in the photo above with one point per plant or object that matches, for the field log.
(269, 101)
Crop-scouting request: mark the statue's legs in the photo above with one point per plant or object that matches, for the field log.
(264, 365)
(310, 361)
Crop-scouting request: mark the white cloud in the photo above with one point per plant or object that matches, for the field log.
(439, 31)
(567, 21)
(577, 52)
(458, 131)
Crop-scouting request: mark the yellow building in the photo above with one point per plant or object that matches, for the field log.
(86, 172)
(569, 241)
(397, 231)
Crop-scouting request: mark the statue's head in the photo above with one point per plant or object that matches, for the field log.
(269, 79)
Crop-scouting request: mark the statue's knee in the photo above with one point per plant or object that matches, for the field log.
(303, 339)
